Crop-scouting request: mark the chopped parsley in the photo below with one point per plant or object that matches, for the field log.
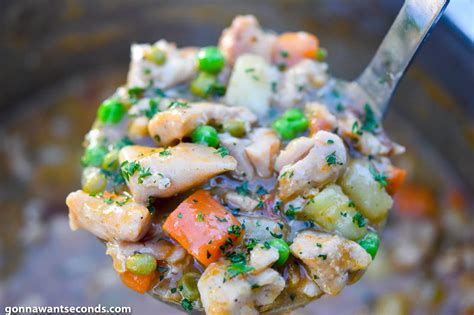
(134, 93)
(222, 151)
(330, 141)
(187, 305)
(344, 214)
(143, 173)
(125, 141)
(220, 219)
(351, 204)
(208, 255)
(284, 53)
(173, 290)
(166, 152)
(237, 268)
(153, 108)
(331, 159)
(243, 189)
(123, 202)
(275, 235)
(370, 122)
(109, 201)
(359, 219)
(323, 256)
(319, 245)
(291, 211)
(261, 191)
(150, 206)
(234, 229)
(237, 257)
(379, 177)
(281, 67)
(251, 243)
(180, 215)
(127, 169)
(177, 104)
(200, 217)
(356, 129)
(277, 207)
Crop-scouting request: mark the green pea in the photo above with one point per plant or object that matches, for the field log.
(110, 161)
(93, 181)
(283, 250)
(235, 127)
(141, 264)
(157, 56)
(111, 111)
(322, 54)
(210, 59)
(284, 129)
(292, 122)
(203, 84)
(205, 135)
(370, 242)
(94, 155)
(187, 286)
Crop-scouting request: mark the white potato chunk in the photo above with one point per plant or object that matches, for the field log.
(250, 84)
(368, 195)
(262, 258)
(333, 211)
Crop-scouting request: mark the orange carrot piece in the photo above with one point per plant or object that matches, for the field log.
(138, 283)
(203, 227)
(415, 201)
(291, 48)
(396, 178)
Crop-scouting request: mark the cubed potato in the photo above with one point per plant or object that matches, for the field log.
(250, 84)
(332, 210)
(367, 194)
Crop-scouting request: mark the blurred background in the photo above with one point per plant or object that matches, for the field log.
(60, 59)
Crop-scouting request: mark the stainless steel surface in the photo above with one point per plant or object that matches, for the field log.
(413, 24)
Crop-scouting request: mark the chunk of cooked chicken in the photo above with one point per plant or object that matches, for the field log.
(236, 148)
(262, 152)
(305, 75)
(238, 201)
(294, 151)
(329, 258)
(323, 163)
(169, 127)
(270, 284)
(262, 258)
(319, 117)
(161, 249)
(366, 142)
(164, 172)
(221, 294)
(246, 36)
(179, 65)
(108, 217)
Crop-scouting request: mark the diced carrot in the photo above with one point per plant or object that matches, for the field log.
(457, 199)
(203, 227)
(138, 283)
(291, 48)
(396, 178)
(415, 201)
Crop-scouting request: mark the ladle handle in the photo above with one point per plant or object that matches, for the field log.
(412, 26)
